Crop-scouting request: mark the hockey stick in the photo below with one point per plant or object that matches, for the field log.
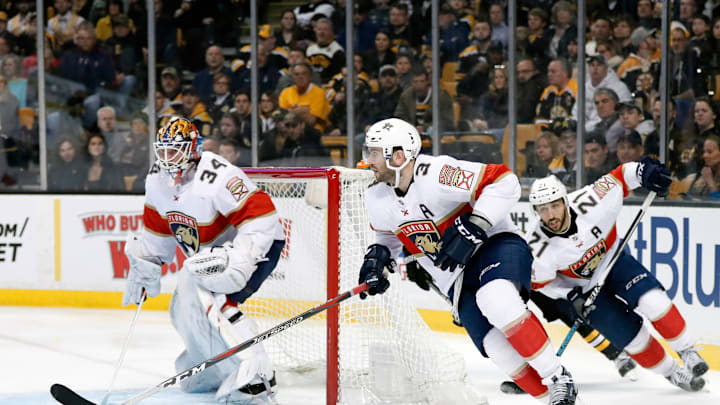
(124, 348)
(67, 396)
(601, 281)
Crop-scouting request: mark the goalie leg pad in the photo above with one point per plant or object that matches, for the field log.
(202, 340)
(197, 315)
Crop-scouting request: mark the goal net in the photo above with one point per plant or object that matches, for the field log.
(373, 351)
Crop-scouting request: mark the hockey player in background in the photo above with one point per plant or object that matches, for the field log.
(229, 230)
(453, 217)
(572, 243)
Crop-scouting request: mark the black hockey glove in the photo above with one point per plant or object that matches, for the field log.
(577, 299)
(654, 175)
(459, 242)
(377, 259)
(416, 273)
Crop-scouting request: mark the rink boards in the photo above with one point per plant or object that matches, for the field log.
(58, 250)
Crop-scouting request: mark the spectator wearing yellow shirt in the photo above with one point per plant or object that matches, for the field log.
(103, 28)
(305, 99)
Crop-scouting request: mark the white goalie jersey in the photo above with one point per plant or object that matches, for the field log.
(580, 255)
(442, 189)
(218, 203)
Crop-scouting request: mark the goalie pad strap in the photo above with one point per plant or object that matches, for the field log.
(259, 388)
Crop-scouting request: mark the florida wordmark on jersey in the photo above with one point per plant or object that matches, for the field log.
(210, 209)
(580, 255)
(442, 189)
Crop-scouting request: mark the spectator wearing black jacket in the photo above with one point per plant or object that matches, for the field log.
(530, 87)
(66, 167)
(384, 102)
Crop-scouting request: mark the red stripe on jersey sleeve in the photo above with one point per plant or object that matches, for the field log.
(445, 224)
(491, 173)
(537, 286)
(257, 204)
(210, 232)
(618, 174)
(154, 222)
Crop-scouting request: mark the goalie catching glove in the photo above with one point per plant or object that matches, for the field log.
(377, 260)
(654, 176)
(144, 273)
(460, 241)
(225, 269)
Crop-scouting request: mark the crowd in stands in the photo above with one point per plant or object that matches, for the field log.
(96, 65)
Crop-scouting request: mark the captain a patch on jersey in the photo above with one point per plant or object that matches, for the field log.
(186, 232)
(420, 237)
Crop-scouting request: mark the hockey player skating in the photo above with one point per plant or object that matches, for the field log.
(572, 243)
(229, 230)
(453, 217)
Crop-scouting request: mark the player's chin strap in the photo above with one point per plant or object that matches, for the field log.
(397, 170)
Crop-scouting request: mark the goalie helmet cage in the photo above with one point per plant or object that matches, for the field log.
(377, 350)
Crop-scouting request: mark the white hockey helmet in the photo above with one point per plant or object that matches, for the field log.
(547, 189)
(390, 134)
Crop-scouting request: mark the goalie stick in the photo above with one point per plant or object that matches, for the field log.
(601, 281)
(143, 297)
(66, 396)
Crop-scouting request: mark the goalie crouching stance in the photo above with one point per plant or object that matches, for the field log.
(229, 230)
(453, 217)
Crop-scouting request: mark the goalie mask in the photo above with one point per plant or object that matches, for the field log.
(388, 135)
(178, 146)
(547, 190)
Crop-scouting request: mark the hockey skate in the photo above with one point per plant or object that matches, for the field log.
(260, 393)
(624, 365)
(693, 361)
(561, 387)
(683, 378)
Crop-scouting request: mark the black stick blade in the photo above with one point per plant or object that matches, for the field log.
(66, 396)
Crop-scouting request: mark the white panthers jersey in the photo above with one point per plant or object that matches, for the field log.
(442, 189)
(580, 255)
(216, 203)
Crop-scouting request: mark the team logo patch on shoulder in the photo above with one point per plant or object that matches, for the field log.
(603, 185)
(237, 188)
(456, 177)
(424, 235)
(186, 232)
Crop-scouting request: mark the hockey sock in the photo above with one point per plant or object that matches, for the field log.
(507, 359)
(666, 319)
(529, 380)
(500, 302)
(598, 341)
(648, 352)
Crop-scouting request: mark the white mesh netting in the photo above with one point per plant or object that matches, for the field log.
(387, 353)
